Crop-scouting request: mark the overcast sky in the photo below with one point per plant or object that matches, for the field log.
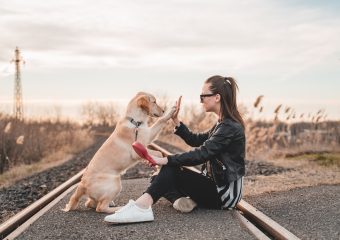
(82, 50)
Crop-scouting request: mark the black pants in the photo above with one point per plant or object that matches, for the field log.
(175, 182)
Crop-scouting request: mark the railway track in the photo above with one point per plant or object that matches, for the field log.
(256, 222)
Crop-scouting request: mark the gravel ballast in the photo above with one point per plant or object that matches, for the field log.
(26, 191)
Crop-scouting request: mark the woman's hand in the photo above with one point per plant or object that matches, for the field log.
(175, 115)
(159, 160)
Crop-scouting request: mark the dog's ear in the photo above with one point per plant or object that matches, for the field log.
(141, 93)
(143, 103)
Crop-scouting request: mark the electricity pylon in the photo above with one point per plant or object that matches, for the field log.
(18, 109)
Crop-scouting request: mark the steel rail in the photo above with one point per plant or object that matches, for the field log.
(14, 222)
(253, 215)
(249, 216)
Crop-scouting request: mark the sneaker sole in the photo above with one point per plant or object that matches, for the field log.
(130, 222)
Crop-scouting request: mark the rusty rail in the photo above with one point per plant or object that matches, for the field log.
(14, 222)
(249, 216)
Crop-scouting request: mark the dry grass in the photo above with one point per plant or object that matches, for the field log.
(270, 139)
(287, 133)
(306, 172)
(24, 170)
(34, 145)
(95, 113)
(51, 160)
(311, 138)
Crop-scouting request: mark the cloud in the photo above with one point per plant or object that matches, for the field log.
(7, 70)
(177, 34)
(7, 12)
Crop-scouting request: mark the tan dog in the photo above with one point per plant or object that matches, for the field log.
(101, 181)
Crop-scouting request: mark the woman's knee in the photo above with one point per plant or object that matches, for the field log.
(167, 172)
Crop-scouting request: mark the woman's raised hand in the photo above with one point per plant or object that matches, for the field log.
(178, 107)
(158, 161)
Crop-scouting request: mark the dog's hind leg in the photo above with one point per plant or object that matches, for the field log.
(103, 206)
(104, 202)
(90, 203)
(73, 203)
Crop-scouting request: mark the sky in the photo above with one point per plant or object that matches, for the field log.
(79, 50)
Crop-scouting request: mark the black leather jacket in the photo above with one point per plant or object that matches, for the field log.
(223, 147)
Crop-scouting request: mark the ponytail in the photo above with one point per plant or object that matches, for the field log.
(226, 87)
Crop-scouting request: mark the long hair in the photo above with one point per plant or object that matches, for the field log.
(226, 87)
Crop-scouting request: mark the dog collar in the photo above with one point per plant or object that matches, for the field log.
(137, 124)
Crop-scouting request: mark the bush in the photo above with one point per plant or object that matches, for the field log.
(28, 141)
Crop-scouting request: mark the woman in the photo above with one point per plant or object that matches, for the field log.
(221, 150)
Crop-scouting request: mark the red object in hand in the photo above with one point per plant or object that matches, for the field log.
(143, 153)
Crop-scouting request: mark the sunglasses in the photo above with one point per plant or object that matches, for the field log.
(202, 96)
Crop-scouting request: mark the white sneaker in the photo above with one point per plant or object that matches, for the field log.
(184, 204)
(130, 213)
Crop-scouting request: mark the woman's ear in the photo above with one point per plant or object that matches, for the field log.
(217, 97)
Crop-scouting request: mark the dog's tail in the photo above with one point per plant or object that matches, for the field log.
(74, 200)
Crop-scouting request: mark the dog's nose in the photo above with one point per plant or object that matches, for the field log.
(163, 111)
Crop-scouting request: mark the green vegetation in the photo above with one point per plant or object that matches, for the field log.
(324, 159)
(328, 159)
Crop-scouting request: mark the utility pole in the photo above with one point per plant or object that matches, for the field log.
(18, 110)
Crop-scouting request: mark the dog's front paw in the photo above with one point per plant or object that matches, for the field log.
(67, 208)
(170, 113)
